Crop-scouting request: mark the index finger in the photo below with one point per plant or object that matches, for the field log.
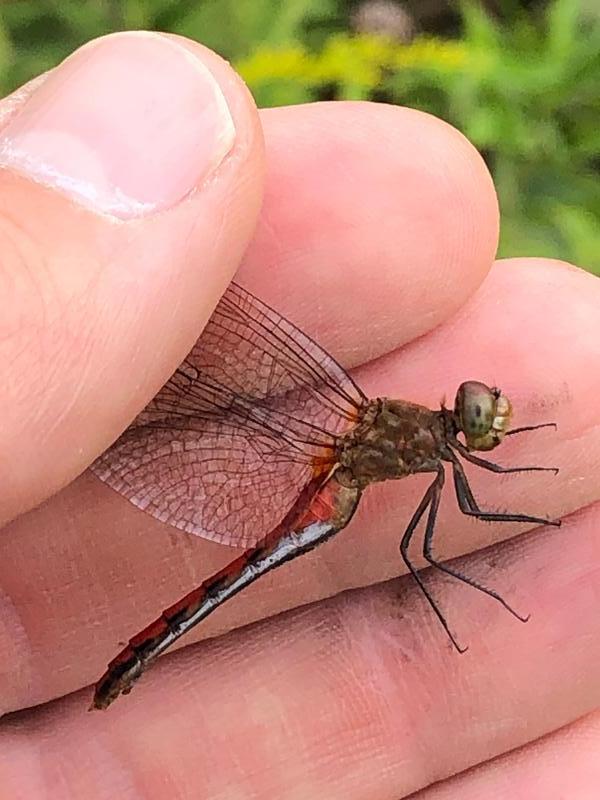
(378, 223)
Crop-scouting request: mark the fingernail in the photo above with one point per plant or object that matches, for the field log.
(127, 125)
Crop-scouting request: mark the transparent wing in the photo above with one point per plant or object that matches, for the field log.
(227, 445)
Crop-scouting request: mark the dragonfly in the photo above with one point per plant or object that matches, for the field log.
(262, 440)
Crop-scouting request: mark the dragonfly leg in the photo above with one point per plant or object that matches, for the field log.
(492, 467)
(431, 500)
(428, 554)
(468, 506)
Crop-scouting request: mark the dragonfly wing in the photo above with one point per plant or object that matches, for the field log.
(219, 484)
(230, 441)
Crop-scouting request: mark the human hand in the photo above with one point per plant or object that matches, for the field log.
(377, 237)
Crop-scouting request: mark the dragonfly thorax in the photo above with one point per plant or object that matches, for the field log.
(394, 439)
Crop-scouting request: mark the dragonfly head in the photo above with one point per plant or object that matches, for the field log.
(482, 414)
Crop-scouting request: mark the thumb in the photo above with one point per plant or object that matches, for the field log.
(130, 184)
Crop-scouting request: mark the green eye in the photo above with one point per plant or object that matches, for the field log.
(483, 415)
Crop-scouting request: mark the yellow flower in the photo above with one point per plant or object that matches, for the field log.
(355, 59)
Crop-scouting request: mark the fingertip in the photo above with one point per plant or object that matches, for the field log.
(369, 195)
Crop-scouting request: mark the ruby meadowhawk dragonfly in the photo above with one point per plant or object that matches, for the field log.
(262, 440)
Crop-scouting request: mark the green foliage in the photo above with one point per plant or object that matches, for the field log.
(526, 95)
(524, 91)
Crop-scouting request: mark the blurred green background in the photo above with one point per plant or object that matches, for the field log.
(520, 79)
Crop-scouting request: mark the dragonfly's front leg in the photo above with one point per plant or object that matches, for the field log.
(467, 502)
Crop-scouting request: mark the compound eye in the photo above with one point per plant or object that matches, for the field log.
(483, 415)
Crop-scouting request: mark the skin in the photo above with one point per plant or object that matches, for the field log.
(377, 236)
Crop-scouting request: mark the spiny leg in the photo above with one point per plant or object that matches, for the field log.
(428, 540)
(468, 506)
(431, 495)
(491, 466)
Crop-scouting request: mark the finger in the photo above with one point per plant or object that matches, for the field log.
(563, 764)
(516, 333)
(376, 219)
(132, 180)
(350, 698)
(99, 569)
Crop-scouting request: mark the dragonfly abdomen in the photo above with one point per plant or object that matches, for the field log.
(329, 510)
